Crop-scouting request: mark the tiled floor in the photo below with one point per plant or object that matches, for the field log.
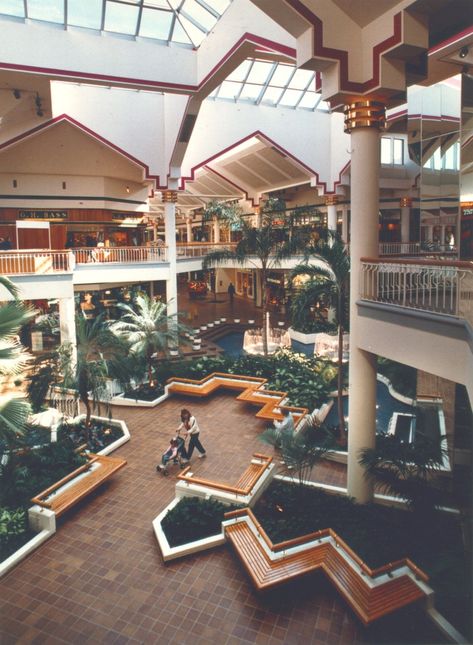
(101, 579)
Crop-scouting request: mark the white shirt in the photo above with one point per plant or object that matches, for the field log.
(194, 427)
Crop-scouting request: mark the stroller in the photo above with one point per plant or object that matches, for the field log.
(175, 454)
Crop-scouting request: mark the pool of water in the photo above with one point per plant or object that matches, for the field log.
(232, 344)
(386, 405)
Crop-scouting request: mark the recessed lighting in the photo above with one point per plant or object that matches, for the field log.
(463, 52)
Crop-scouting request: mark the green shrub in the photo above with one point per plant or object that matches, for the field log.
(12, 522)
(193, 519)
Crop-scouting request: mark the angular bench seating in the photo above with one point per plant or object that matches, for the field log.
(371, 593)
(251, 388)
(244, 490)
(103, 468)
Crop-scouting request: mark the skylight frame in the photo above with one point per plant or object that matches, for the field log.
(179, 10)
(278, 89)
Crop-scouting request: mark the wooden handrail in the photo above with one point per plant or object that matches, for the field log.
(460, 264)
(310, 537)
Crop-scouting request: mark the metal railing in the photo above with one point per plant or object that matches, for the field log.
(200, 249)
(35, 261)
(429, 285)
(120, 254)
(415, 248)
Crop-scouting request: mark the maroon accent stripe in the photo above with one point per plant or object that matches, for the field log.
(342, 55)
(450, 41)
(65, 118)
(258, 133)
(246, 38)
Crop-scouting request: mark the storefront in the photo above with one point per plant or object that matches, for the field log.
(276, 291)
(72, 228)
(245, 284)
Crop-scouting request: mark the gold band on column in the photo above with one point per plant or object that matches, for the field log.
(365, 114)
(405, 202)
(331, 200)
(169, 196)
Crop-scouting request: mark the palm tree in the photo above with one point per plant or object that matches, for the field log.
(148, 329)
(329, 278)
(261, 247)
(406, 469)
(88, 372)
(13, 358)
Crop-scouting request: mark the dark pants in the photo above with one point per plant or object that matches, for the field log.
(194, 443)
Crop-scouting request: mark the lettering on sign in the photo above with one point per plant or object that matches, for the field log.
(42, 215)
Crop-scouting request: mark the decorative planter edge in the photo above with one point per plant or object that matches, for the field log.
(172, 552)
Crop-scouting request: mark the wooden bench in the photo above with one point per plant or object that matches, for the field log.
(245, 484)
(361, 587)
(251, 391)
(92, 479)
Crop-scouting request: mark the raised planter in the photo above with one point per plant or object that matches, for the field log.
(116, 444)
(173, 552)
(121, 399)
(305, 339)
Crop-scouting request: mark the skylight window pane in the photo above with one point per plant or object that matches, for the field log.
(48, 10)
(309, 100)
(271, 95)
(199, 14)
(218, 5)
(259, 72)
(85, 14)
(179, 35)
(250, 92)
(155, 24)
(241, 71)
(290, 97)
(282, 75)
(195, 34)
(228, 90)
(162, 4)
(12, 8)
(121, 18)
(300, 79)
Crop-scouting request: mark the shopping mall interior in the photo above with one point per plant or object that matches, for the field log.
(144, 147)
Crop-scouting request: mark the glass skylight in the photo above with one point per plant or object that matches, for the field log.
(182, 21)
(271, 83)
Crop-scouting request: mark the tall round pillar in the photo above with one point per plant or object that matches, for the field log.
(345, 224)
(169, 200)
(216, 227)
(331, 202)
(405, 204)
(189, 229)
(363, 119)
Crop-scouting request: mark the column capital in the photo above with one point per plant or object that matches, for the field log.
(405, 202)
(169, 196)
(364, 113)
(331, 200)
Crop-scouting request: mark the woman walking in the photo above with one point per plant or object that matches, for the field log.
(190, 426)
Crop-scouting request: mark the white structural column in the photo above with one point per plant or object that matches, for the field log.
(364, 120)
(216, 227)
(169, 200)
(189, 229)
(331, 202)
(67, 324)
(405, 204)
(345, 224)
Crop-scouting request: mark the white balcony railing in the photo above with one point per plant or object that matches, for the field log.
(120, 254)
(35, 261)
(429, 285)
(200, 249)
(415, 248)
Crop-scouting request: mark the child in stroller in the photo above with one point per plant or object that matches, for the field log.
(175, 452)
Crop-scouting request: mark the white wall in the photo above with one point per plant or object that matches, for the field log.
(304, 134)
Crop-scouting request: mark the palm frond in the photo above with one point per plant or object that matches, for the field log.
(13, 416)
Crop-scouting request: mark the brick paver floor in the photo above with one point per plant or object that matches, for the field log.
(101, 579)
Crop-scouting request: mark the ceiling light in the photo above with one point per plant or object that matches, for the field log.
(17, 94)
(463, 52)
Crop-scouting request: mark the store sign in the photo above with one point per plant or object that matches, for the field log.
(53, 215)
(273, 280)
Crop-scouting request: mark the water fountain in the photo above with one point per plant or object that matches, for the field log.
(277, 338)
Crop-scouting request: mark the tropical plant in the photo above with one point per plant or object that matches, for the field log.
(148, 330)
(194, 519)
(88, 370)
(13, 359)
(229, 213)
(263, 247)
(407, 470)
(301, 451)
(327, 266)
